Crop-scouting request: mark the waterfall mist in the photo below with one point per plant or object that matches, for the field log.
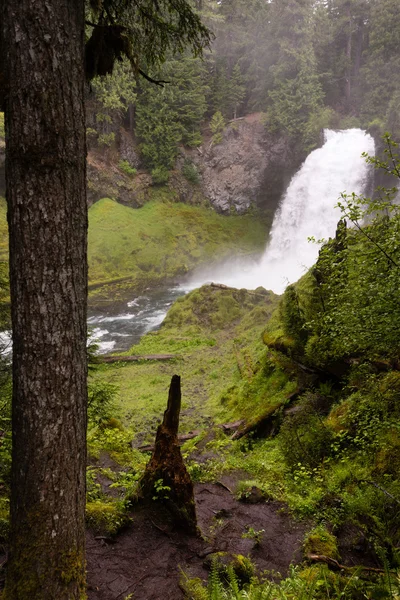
(306, 209)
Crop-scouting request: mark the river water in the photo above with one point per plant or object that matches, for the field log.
(118, 331)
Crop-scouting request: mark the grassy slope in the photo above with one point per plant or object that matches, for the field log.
(217, 337)
(139, 247)
(163, 239)
(336, 459)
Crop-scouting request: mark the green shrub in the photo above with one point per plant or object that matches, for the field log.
(321, 542)
(160, 175)
(217, 126)
(4, 519)
(127, 168)
(106, 139)
(106, 518)
(190, 172)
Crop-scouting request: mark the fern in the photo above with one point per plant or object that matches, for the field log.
(215, 589)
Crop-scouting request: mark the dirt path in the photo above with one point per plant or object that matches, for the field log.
(145, 559)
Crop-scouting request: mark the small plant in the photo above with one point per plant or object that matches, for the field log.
(106, 518)
(190, 172)
(217, 126)
(106, 139)
(160, 175)
(127, 168)
(161, 491)
(320, 541)
(254, 534)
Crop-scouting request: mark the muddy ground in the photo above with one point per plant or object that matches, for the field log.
(145, 560)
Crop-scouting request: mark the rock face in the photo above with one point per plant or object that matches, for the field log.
(248, 169)
(106, 180)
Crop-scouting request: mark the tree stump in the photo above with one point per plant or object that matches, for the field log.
(166, 478)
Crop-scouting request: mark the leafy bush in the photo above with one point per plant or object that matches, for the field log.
(160, 175)
(217, 126)
(101, 401)
(127, 168)
(106, 518)
(190, 172)
(106, 139)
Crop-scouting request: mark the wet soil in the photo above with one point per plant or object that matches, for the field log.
(146, 559)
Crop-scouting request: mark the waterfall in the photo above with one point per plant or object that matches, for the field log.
(307, 209)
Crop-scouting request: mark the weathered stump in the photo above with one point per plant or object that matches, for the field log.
(166, 478)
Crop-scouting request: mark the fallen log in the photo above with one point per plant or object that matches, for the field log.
(334, 564)
(269, 423)
(133, 358)
(181, 440)
(232, 426)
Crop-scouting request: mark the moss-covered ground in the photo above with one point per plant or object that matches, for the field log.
(131, 248)
(216, 335)
(331, 458)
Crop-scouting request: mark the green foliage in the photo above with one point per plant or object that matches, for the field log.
(320, 541)
(161, 491)
(163, 239)
(311, 583)
(296, 97)
(292, 318)
(106, 518)
(4, 520)
(106, 139)
(101, 401)
(254, 534)
(169, 116)
(2, 131)
(127, 168)
(155, 31)
(160, 175)
(217, 126)
(190, 172)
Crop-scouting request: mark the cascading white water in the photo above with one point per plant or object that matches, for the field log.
(307, 209)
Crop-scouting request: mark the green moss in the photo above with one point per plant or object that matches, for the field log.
(106, 518)
(320, 541)
(162, 240)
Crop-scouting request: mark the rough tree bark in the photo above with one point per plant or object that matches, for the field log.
(43, 59)
(167, 466)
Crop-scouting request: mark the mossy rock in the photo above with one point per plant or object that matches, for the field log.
(250, 492)
(106, 518)
(320, 541)
(279, 342)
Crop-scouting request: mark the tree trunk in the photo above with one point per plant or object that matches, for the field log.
(47, 215)
(166, 477)
(349, 42)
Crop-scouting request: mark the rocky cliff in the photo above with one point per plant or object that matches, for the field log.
(248, 170)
